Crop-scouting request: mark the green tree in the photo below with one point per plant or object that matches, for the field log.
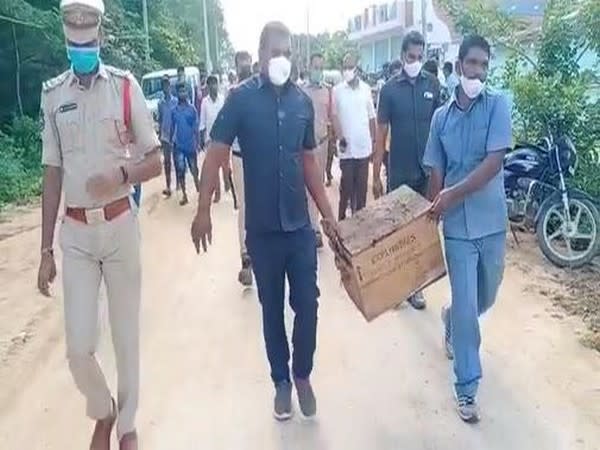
(32, 50)
(551, 91)
(333, 46)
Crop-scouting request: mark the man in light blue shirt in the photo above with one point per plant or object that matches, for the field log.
(468, 139)
(165, 109)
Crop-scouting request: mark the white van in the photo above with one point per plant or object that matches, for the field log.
(152, 85)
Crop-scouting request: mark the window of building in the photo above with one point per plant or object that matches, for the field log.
(410, 13)
(393, 10)
(381, 53)
(383, 13)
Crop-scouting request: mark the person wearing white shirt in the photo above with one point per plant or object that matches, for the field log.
(209, 110)
(211, 105)
(354, 124)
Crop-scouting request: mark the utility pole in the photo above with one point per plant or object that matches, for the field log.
(424, 23)
(206, 40)
(307, 35)
(217, 53)
(146, 30)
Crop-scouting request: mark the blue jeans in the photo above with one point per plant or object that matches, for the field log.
(137, 194)
(183, 159)
(276, 256)
(475, 268)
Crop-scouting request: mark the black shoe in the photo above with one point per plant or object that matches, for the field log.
(306, 397)
(319, 237)
(245, 276)
(417, 301)
(282, 404)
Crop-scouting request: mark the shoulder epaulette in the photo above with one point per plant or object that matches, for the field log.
(118, 72)
(53, 83)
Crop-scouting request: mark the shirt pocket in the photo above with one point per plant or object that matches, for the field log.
(475, 151)
(69, 132)
(293, 132)
(114, 131)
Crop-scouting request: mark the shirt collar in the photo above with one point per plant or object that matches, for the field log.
(219, 97)
(102, 73)
(454, 98)
(263, 80)
(403, 77)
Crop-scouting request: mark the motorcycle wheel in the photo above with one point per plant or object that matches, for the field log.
(569, 245)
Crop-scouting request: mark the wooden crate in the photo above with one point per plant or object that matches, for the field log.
(388, 251)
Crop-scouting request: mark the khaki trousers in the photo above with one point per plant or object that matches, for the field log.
(313, 210)
(237, 168)
(91, 253)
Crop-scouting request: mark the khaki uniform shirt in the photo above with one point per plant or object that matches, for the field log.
(320, 98)
(84, 130)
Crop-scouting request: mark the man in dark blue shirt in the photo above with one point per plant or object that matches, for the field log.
(184, 135)
(273, 121)
(406, 105)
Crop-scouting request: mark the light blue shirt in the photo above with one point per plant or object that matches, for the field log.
(458, 142)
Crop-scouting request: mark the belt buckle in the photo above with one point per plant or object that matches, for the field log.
(95, 216)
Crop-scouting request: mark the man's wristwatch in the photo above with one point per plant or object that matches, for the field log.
(48, 251)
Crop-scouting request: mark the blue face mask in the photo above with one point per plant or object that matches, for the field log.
(84, 60)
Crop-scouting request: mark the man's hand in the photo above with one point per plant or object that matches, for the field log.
(46, 273)
(444, 201)
(104, 184)
(201, 230)
(332, 231)
(377, 187)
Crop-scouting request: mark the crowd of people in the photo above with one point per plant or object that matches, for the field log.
(271, 141)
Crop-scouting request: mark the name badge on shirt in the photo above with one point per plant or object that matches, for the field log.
(67, 107)
(428, 95)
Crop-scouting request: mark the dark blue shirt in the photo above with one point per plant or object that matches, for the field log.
(273, 131)
(408, 107)
(165, 109)
(185, 128)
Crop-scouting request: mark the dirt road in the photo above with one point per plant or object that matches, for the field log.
(381, 386)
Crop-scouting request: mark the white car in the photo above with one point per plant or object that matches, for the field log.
(152, 85)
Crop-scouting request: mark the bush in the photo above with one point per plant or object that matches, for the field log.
(20, 168)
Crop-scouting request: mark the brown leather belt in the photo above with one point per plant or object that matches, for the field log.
(99, 215)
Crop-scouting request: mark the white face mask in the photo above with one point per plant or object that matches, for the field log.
(280, 69)
(349, 75)
(413, 69)
(471, 86)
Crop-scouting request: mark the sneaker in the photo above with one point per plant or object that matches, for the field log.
(447, 332)
(245, 276)
(417, 301)
(467, 409)
(319, 237)
(166, 193)
(282, 405)
(306, 397)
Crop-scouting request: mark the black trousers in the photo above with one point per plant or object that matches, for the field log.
(275, 257)
(353, 185)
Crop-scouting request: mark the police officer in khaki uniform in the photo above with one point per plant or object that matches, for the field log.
(320, 95)
(94, 153)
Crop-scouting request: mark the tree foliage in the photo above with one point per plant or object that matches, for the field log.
(551, 91)
(176, 37)
(32, 49)
(333, 46)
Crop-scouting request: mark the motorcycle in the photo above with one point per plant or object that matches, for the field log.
(566, 220)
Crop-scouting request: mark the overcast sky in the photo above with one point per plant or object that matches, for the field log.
(244, 19)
